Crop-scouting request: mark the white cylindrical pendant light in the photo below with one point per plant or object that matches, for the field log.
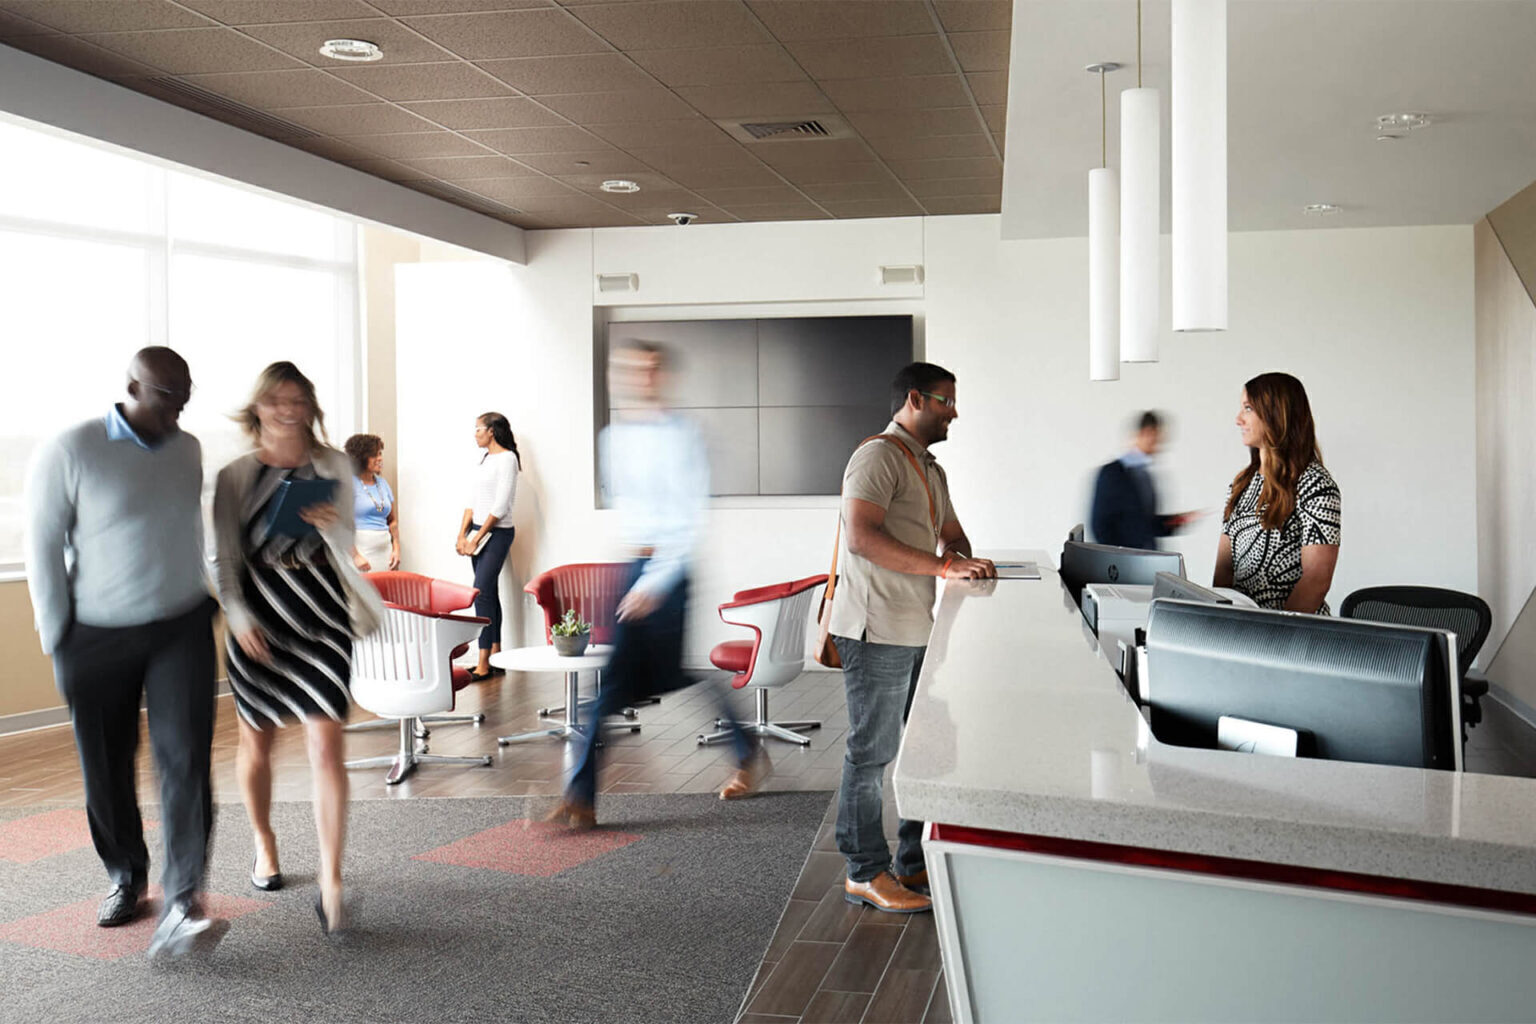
(1141, 224)
(1199, 165)
(1103, 275)
(1103, 251)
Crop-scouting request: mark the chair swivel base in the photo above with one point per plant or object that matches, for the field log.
(790, 732)
(411, 754)
(421, 723)
(761, 726)
(401, 768)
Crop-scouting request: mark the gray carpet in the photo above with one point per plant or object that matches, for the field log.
(669, 928)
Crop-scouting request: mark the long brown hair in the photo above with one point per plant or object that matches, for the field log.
(1289, 445)
(277, 373)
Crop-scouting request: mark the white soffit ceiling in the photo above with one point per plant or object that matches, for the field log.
(1306, 80)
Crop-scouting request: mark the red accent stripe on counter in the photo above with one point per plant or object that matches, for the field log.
(1231, 867)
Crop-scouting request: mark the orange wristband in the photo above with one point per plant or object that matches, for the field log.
(945, 567)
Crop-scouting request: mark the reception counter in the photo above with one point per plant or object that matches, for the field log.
(1084, 871)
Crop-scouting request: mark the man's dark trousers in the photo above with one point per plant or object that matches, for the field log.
(104, 674)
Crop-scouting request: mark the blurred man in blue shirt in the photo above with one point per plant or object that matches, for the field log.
(654, 471)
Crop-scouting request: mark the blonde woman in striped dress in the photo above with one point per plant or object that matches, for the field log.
(292, 606)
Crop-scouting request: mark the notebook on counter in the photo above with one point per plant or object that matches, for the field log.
(1017, 570)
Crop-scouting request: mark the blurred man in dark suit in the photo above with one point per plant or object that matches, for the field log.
(1124, 511)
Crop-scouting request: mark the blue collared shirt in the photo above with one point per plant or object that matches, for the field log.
(655, 473)
(118, 429)
(1135, 458)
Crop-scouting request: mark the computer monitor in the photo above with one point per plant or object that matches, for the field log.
(1104, 563)
(1180, 589)
(1353, 690)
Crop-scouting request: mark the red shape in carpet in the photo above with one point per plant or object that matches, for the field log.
(43, 835)
(529, 848)
(73, 929)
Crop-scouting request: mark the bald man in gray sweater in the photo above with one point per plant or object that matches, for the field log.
(120, 590)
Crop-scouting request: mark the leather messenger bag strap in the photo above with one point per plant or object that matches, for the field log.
(826, 652)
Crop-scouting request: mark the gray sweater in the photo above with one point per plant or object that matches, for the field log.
(114, 531)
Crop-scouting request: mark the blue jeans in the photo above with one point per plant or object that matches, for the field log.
(880, 680)
(647, 660)
(487, 565)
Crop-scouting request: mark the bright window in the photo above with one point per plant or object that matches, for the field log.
(103, 253)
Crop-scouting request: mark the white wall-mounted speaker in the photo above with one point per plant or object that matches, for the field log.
(618, 282)
(902, 275)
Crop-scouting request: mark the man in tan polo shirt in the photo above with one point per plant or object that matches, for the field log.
(900, 533)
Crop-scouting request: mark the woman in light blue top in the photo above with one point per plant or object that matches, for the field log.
(373, 504)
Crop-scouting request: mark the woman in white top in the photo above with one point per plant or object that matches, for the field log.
(485, 532)
(373, 506)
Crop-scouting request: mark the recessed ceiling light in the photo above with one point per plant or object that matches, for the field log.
(1321, 209)
(352, 49)
(619, 185)
(1401, 122)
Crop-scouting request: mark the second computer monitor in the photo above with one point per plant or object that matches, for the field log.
(1352, 690)
(1104, 563)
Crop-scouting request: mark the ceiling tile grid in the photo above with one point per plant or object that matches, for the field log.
(520, 109)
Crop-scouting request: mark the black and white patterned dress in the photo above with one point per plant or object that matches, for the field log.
(1267, 563)
(296, 597)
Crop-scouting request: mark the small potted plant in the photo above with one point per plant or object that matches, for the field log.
(571, 634)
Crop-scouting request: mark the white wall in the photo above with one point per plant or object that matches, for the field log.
(1378, 323)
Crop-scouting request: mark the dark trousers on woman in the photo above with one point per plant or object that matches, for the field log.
(104, 674)
(647, 660)
(487, 565)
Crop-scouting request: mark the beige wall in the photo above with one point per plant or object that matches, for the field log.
(26, 682)
(382, 250)
(1514, 222)
(1506, 456)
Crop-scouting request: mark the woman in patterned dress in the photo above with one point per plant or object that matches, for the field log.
(292, 606)
(1280, 531)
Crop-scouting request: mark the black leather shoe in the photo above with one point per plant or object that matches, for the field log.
(123, 904)
(266, 883)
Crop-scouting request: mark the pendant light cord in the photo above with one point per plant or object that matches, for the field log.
(1103, 123)
(1138, 44)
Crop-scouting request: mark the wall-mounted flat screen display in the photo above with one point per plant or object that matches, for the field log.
(781, 402)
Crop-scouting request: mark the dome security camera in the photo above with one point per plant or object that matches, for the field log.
(682, 219)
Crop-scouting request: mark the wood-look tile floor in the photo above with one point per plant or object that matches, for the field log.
(40, 766)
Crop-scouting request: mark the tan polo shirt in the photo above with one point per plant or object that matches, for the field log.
(875, 604)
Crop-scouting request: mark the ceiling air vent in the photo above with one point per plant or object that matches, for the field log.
(227, 109)
(787, 129)
(779, 129)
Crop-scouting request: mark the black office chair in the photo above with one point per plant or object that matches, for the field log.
(1467, 615)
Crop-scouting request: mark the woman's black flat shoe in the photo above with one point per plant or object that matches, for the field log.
(480, 677)
(267, 883)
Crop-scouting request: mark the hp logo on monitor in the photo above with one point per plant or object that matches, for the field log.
(1113, 573)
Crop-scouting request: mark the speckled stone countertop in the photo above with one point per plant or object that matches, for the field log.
(1021, 725)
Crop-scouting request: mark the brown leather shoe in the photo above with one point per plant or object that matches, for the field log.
(917, 881)
(748, 777)
(578, 817)
(883, 892)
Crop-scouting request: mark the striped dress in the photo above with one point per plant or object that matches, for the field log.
(296, 597)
